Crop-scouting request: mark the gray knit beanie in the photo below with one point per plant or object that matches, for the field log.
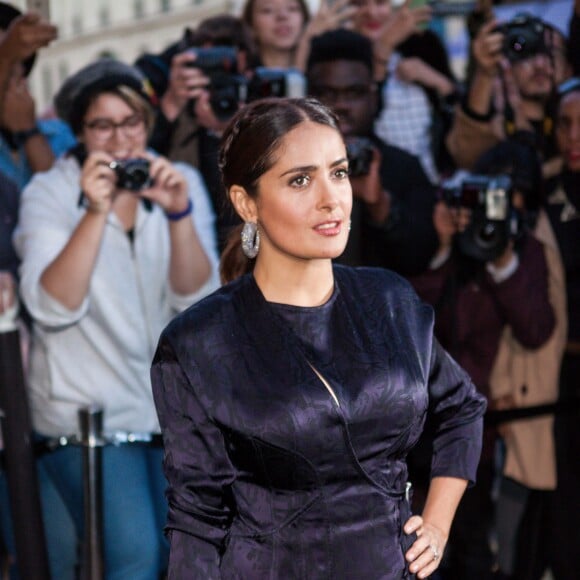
(78, 91)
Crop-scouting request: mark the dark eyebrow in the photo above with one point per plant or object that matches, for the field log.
(309, 168)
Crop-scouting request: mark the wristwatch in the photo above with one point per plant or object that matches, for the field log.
(20, 137)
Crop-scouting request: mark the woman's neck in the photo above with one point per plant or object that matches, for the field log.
(306, 283)
(274, 58)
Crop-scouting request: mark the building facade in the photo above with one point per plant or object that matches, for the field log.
(122, 29)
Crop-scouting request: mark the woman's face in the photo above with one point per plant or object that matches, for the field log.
(568, 130)
(371, 17)
(277, 23)
(111, 125)
(304, 200)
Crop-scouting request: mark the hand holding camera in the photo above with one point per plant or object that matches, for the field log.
(167, 186)
(364, 162)
(479, 213)
(487, 48)
(25, 36)
(186, 82)
(147, 176)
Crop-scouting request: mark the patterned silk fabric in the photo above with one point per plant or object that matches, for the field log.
(269, 476)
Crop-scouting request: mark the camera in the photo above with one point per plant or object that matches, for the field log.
(524, 36)
(227, 87)
(359, 151)
(276, 82)
(132, 174)
(493, 220)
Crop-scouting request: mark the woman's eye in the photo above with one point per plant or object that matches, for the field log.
(300, 181)
(341, 173)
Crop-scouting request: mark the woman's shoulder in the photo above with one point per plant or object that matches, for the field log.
(373, 279)
(215, 310)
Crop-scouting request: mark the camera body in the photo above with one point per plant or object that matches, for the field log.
(524, 36)
(359, 151)
(276, 82)
(227, 87)
(132, 174)
(493, 219)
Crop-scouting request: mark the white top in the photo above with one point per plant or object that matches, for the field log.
(101, 352)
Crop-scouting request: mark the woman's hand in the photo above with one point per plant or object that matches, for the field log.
(169, 189)
(425, 554)
(98, 182)
(330, 15)
(400, 25)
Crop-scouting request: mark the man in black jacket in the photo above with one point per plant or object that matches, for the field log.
(392, 222)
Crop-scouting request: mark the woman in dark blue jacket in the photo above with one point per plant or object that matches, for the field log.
(289, 399)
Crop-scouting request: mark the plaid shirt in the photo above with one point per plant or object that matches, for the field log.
(405, 119)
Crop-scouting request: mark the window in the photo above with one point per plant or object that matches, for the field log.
(47, 85)
(63, 71)
(139, 8)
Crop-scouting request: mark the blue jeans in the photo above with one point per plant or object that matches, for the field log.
(134, 507)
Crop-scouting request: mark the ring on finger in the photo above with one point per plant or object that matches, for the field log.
(435, 552)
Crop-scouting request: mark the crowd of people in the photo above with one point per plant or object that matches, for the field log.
(353, 254)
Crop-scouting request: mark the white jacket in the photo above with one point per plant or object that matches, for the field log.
(101, 352)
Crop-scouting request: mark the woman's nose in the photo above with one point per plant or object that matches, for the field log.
(328, 195)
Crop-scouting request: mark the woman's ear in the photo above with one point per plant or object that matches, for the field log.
(244, 205)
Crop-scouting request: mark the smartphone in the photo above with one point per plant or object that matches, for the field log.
(41, 7)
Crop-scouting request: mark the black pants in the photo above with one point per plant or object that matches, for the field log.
(469, 555)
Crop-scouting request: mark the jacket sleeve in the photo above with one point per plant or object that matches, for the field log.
(469, 138)
(45, 225)
(532, 320)
(197, 468)
(456, 415)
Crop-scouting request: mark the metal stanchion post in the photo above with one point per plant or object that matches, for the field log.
(92, 442)
(31, 554)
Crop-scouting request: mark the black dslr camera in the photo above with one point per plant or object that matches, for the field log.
(359, 151)
(524, 36)
(276, 82)
(227, 87)
(493, 219)
(132, 174)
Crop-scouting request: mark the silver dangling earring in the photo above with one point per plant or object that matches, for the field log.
(250, 239)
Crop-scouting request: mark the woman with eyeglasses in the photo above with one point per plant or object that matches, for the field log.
(114, 241)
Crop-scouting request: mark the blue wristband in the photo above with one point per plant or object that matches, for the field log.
(176, 216)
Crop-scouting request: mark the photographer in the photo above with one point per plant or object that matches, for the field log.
(391, 217)
(114, 241)
(523, 377)
(487, 277)
(509, 93)
(188, 125)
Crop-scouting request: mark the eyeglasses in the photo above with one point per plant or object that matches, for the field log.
(332, 94)
(103, 129)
